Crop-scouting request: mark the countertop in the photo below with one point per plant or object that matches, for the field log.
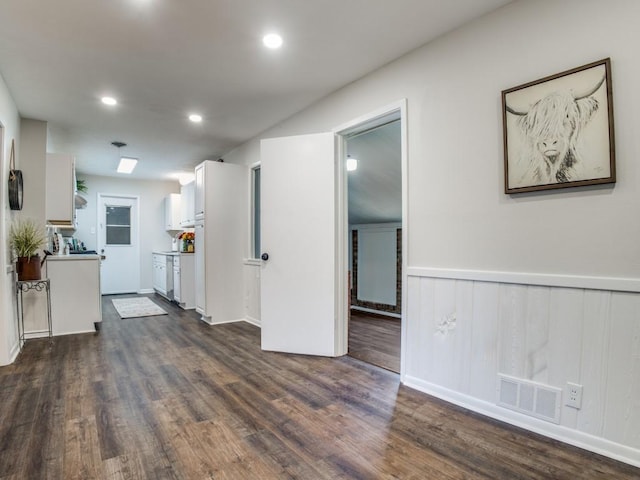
(171, 253)
(57, 258)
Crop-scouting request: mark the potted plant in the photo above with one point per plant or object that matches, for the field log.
(25, 238)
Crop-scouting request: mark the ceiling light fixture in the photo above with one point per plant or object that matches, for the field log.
(127, 164)
(195, 118)
(109, 101)
(352, 164)
(272, 41)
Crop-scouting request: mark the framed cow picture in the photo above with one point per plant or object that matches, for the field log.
(558, 131)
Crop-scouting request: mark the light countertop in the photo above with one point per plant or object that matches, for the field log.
(82, 256)
(171, 253)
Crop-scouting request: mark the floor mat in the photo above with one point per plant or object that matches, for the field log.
(137, 307)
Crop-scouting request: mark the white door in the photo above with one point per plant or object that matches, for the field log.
(298, 225)
(118, 242)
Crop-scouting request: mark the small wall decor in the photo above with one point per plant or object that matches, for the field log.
(558, 131)
(15, 182)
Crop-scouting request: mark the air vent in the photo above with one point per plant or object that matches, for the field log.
(531, 398)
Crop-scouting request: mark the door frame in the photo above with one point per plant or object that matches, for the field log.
(99, 223)
(358, 125)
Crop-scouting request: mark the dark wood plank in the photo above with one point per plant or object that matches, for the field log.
(170, 397)
(375, 339)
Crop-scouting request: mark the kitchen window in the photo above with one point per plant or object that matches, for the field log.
(255, 210)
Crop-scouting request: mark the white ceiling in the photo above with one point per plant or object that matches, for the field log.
(163, 59)
(375, 188)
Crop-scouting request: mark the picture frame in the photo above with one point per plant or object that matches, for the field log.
(558, 130)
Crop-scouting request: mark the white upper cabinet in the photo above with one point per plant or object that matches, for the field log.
(60, 190)
(199, 192)
(172, 212)
(187, 206)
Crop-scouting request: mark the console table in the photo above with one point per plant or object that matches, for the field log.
(38, 286)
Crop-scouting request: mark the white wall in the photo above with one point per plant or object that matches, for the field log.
(33, 157)
(10, 123)
(459, 219)
(377, 262)
(153, 236)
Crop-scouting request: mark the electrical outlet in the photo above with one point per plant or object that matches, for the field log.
(573, 392)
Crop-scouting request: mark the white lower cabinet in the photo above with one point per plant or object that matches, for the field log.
(160, 273)
(76, 304)
(184, 280)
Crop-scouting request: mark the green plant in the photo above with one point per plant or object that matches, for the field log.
(81, 186)
(26, 237)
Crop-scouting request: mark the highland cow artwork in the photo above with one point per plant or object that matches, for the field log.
(558, 131)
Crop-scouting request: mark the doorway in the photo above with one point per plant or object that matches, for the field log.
(304, 236)
(374, 192)
(118, 242)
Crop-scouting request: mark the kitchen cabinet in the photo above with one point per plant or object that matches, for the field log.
(199, 196)
(184, 280)
(172, 212)
(60, 186)
(187, 205)
(76, 303)
(160, 274)
(221, 238)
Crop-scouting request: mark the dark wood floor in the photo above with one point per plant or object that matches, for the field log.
(169, 397)
(375, 339)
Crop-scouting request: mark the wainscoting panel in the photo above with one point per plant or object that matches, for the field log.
(462, 333)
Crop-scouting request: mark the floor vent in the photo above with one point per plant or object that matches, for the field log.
(531, 398)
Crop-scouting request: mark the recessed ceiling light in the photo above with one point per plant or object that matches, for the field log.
(195, 118)
(109, 100)
(127, 164)
(272, 40)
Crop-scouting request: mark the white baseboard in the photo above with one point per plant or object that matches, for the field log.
(582, 440)
(379, 312)
(145, 291)
(253, 321)
(75, 333)
(209, 321)
(36, 334)
(14, 352)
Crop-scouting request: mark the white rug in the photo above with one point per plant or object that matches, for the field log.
(137, 307)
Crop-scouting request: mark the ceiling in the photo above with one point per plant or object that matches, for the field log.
(375, 187)
(163, 59)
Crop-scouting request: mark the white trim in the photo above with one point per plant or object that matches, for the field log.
(145, 291)
(14, 352)
(377, 226)
(522, 278)
(558, 432)
(208, 320)
(252, 262)
(342, 242)
(253, 321)
(341, 255)
(379, 312)
(251, 211)
(36, 334)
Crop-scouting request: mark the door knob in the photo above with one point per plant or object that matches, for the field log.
(264, 256)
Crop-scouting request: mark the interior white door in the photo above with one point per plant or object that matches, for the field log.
(298, 225)
(118, 242)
